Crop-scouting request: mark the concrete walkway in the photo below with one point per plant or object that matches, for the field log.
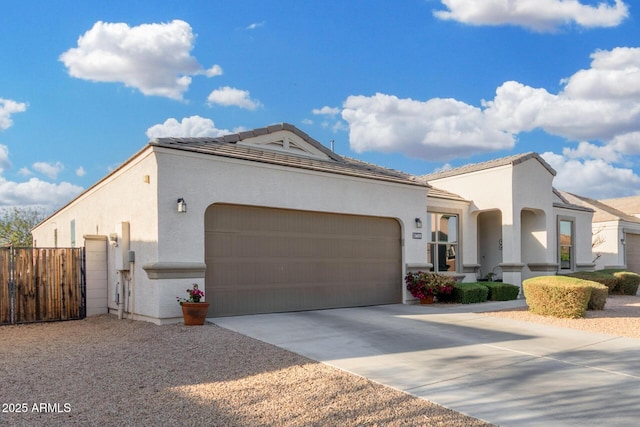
(506, 372)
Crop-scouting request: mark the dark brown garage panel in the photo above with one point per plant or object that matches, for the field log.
(264, 260)
(632, 249)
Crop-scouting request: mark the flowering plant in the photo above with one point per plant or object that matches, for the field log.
(423, 284)
(194, 295)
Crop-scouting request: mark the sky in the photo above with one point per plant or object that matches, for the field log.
(414, 85)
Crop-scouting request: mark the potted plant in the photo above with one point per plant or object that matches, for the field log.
(194, 312)
(427, 286)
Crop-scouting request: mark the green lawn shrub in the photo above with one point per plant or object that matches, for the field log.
(628, 282)
(499, 291)
(470, 293)
(599, 294)
(557, 296)
(604, 277)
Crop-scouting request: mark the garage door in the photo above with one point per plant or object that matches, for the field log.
(263, 260)
(632, 248)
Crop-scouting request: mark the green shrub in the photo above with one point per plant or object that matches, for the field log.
(499, 291)
(557, 296)
(604, 277)
(628, 282)
(469, 293)
(599, 294)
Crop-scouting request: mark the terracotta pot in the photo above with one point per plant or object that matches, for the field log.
(427, 300)
(194, 313)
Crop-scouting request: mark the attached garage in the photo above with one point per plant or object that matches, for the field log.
(262, 260)
(264, 220)
(632, 252)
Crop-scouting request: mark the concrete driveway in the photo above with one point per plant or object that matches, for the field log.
(505, 372)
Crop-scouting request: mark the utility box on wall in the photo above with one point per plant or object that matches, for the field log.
(122, 246)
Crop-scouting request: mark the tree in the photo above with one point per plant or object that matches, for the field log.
(597, 240)
(16, 224)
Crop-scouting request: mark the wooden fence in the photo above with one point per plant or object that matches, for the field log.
(42, 284)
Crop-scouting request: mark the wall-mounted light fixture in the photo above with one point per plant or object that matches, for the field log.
(182, 205)
(418, 223)
(622, 241)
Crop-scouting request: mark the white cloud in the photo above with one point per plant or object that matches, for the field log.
(437, 129)
(36, 193)
(537, 15)
(4, 158)
(326, 110)
(50, 170)
(194, 126)
(80, 171)
(153, 58)
(587, 150)
(339, 126)
(255, 25)
(7, 108)
(229, 96)
(598, 107)
(216, 70)
(628, 143)
(445, 167)
(614, 75)
(601, 102)
(595, 178)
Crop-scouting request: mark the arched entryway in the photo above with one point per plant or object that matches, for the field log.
(489, 241)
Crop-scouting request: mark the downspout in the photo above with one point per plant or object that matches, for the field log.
(120, 294)
(131, 255)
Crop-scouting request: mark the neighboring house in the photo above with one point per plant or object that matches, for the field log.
(270, 220)
(616, 231)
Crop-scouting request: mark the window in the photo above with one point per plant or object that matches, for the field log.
(565, 242)
(443, 241)
(73, 233)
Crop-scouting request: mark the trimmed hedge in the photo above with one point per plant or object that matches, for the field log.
(499, 291)
(470, 293)
(557, 296)
(599, 294)
(601, 276)
(618, 281)
(628, 282)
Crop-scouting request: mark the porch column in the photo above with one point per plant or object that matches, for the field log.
(512, 273)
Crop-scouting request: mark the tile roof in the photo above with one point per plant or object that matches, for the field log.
(629, 205)
(603, 212)
(476, 167)
(225, 146)
(570, 201)
(439, 193)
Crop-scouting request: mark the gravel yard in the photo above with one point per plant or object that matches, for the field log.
(102, 371)
(621, 316)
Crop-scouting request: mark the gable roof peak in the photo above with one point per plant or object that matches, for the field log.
(263, 149)
(504, 161)
(233, 138)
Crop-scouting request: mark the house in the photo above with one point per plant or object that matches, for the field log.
(514, 225)
(616, 231)
(270, 220)
(264, 220)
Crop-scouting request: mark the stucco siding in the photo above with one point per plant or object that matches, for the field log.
(122, 196)
(203, 181)
(127, 195)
